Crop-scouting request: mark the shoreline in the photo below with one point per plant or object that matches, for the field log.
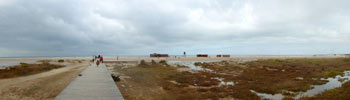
(15, 61)
(169, 58)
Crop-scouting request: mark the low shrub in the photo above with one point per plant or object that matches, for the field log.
(23, 64)
(115, 78)
(26, 69)
(143, 64)
(61, 60)
(332, 73)
(163, 62)
(153, 62)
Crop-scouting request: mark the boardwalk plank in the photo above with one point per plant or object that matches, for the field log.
(95, 83)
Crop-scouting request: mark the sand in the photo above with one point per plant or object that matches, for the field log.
(14, 61)
(42, 86)
(232, 58)
(47, 85)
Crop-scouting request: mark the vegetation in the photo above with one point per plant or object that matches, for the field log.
(275, 75)
(61, 60)
(159, 81)
(115, 78)
(195, 79)
(146, 80)
(222, 66)
(333, 73)
(26, 69)
(163, 62)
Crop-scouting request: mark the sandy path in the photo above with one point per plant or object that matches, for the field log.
(42, 86)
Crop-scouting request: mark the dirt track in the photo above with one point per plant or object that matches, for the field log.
(42, 86)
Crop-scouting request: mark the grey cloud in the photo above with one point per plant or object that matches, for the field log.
(127, 27)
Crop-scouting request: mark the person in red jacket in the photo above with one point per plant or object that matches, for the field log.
(101, 58)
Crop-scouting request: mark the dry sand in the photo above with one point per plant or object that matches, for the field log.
(14, 61)
(42, 86)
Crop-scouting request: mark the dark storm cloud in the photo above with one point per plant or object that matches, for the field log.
(116, 27)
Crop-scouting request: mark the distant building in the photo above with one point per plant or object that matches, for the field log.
(225, 55)
(202, 55)
(159, 55)
(218, 55)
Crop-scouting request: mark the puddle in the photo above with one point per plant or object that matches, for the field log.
(331, 84)
(222, 82)
(268, 96)
(299, 78)
(190, 65)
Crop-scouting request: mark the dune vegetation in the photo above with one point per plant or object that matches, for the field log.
(25, 69)
(158, 80)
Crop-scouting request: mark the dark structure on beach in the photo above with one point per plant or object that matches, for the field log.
(202, 55)
(222, 56)
(159, 55)
(225, 55)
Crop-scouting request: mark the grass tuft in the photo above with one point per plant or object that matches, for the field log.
(26, 69)
(61, 60)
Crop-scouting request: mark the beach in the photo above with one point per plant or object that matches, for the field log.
(47, 85)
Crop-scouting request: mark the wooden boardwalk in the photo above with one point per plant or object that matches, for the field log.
(95, 83)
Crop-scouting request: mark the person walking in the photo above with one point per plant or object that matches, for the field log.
(101, 59)
(98, 60)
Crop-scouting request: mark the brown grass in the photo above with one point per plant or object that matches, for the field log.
(26, 69)
(276, 75)
(222, 66)
(195, 79)
(146, 81)
(152, 80)
(158, 81)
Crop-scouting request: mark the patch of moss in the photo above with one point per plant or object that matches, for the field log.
(332, 73)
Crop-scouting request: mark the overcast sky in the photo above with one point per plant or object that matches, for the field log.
(141, 27)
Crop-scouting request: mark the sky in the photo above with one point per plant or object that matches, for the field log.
(141, 27)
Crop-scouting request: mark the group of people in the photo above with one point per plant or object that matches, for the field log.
(98, 59)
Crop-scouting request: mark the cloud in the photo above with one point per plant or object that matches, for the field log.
(130, 27)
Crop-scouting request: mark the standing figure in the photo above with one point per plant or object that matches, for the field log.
(98, 62)
(101, 59)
